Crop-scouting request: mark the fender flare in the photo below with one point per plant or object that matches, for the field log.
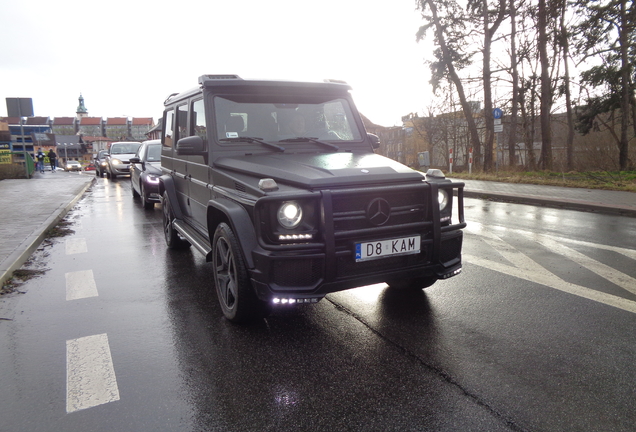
(235, 215)
(166, 184)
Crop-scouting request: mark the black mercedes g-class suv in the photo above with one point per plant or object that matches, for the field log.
(277, 184)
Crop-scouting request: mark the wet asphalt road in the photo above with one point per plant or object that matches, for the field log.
(536, 334)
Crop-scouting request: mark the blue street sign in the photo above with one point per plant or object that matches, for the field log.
(497, 113)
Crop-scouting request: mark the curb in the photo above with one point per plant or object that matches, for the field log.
(553, 203)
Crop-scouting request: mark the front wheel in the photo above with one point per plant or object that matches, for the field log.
(233, 287)
(135, 194)
(414, 284)
(148, 205)
(173, 241)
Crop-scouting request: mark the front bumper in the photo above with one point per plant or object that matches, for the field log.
(329, 265)
(120, 169)
(152, 191)
(304, 274)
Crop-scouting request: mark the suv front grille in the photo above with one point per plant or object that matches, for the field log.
(354, 209)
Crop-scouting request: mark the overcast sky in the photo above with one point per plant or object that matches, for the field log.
(126, 56)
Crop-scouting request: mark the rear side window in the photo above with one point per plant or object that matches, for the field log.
(198, 119)
(168, 129)
(182, 122)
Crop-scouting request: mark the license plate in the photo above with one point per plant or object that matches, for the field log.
(386, 248)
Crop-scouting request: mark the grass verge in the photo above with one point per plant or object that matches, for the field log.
(618, 180)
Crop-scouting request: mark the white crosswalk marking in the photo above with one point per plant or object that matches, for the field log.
(76, 246)
(90, 376)
(80, 284)
(524, 267)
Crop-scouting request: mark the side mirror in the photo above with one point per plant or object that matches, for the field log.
(135, 160)
(192, 145)
(375, 140)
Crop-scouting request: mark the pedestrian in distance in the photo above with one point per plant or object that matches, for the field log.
(52, 160)
(40, 158)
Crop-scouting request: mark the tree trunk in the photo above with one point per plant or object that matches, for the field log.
(512, 136)
(448, 61)
(565, 43)
(623, 148)
(546, 88)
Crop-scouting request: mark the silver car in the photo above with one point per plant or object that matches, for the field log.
(119, 158)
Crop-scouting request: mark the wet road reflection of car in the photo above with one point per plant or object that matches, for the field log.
(145, 170)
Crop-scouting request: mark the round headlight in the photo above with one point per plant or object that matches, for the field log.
(290, 214)
(442, 198)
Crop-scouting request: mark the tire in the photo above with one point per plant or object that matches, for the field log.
(414, 284)
(236, 296)
(173, 241)
(135, 194)
(148, 205)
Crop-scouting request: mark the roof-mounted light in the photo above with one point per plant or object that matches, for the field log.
(267, 185)
(204, 78)
(435, 173)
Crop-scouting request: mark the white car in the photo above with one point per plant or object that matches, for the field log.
(72, 166)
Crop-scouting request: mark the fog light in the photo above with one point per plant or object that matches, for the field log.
(308, 300)
(451, 274)
(294, 237)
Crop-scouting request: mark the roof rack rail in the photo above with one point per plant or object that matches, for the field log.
(337, 81)
(170, 97)
(204, 78)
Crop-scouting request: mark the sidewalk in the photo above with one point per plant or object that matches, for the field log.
(597, 200)
(29, 208)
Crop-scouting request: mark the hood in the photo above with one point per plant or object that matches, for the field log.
(122, 156)
(153, 168)
(322, 170)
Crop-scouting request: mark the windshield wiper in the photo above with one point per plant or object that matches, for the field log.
(254, 139)
(313, 140)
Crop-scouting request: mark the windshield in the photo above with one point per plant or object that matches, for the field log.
(276, 118)
(154, 153)
(127, 148)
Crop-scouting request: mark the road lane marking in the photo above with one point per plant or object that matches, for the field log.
(553, 281)
(90, 375)
(76, 246)
(523, 267)
(624, 281)
(80, 284)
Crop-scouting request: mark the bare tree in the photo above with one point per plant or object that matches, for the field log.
(490, 20)
(449, 37)
(514, 70)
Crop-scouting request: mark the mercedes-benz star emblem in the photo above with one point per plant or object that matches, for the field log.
(378, 211)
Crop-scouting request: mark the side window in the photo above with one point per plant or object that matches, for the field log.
(198, 119)
(182, 122)
(168, 129)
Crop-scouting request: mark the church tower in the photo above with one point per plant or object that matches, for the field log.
(81, 109)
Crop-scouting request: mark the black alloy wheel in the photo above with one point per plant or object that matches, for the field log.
(148, 205)
(135, 194)
(173, 241)
(234, 289)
